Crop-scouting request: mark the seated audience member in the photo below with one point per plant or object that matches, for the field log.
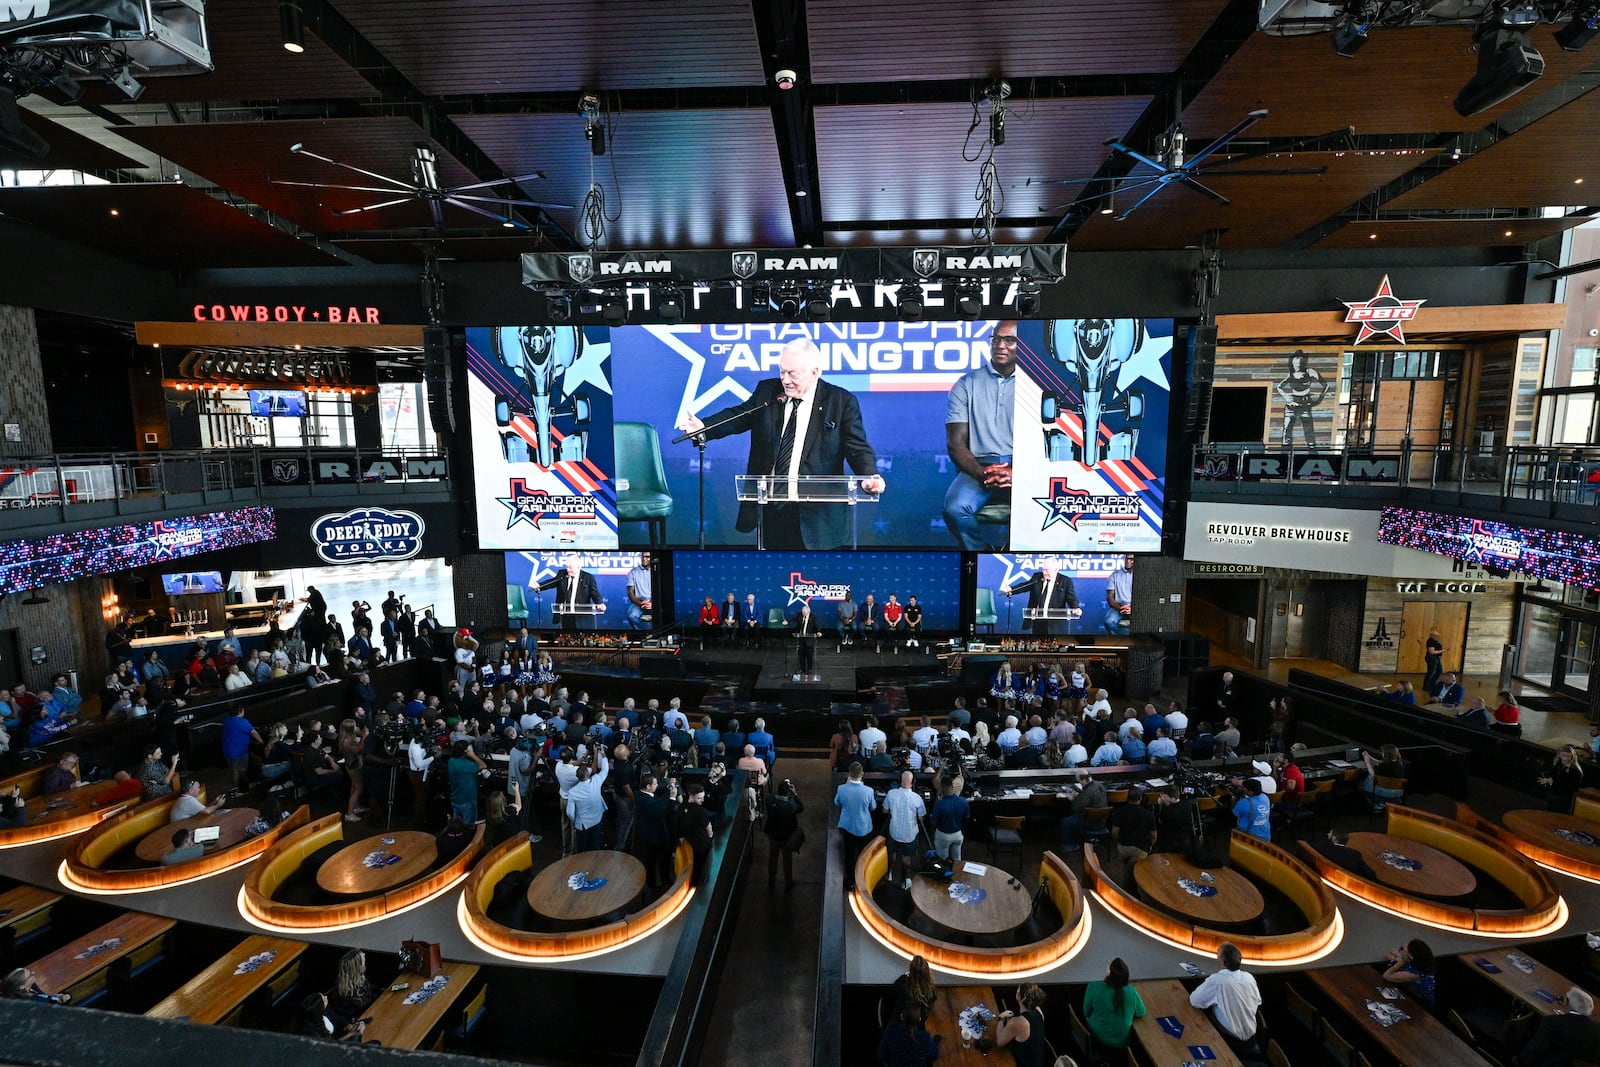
(1133, 746)
(1507, 715)
(754, 765)
(1162, 750)
(733, 737)
(23, 984)
(316, 1019)
(189, 804)
(1177, 721)
(1024, 757)
(1177, 820)
(1449, 692)
(705, 741)
(1010, 737)
(1091, 794)
(1024, 1032)
(925, 735)
(184, 848)
(1110, 1006)
(1109, 754)
(766, 744)
(352, 992)
(1253, 812)
(1228, 738)
(63, 776)
(156, 778)
(1401, 692)
(1133, 828)
(1476, 714)
(1390, 766)
(1562, 779)
(1204, 743)
(905, 1043)
(914, 988)
(1412, 965)
(1337, 848)
(1560, 1040)
(1231, 997)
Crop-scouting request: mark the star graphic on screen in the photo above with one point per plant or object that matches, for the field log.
(526, 505)
(1064, 504)
(1145, 362)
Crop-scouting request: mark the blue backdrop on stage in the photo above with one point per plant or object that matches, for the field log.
(610, 570)
(1090, 573)
(786, 579)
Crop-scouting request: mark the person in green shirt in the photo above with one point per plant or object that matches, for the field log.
(1111, 1005)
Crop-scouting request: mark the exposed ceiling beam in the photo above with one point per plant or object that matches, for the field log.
(785, 45)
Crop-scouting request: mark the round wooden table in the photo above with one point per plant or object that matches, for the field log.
(1413, 867)
(987, 903)
(379, 862)
(231, 821)
(1211, 896)
(586, 886)
(57, 807)
(1566, 834)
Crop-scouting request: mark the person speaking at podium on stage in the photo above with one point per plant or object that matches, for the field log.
(574, 587)
(799, 426)
(1048, 588)
(805, 633)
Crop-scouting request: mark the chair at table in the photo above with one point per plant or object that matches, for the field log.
(984, 614)
(1360, 1060)
(1117, 796)
(516, 604)
(1275, 1055)
(1096, 826)
(647, 498)
(1006, 834)
(1300, 1010)
(1093, 1051)
(1454, 1020)
(469, 1017)
(1338, 1047)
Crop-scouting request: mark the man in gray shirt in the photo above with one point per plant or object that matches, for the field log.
(847, 618)
(1091, 794)
(977, 432)
(640, 601)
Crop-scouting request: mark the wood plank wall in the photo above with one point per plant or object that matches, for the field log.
(1488, 624)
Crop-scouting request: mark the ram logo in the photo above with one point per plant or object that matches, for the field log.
(744, 264)
(925, 261)
(581, 268)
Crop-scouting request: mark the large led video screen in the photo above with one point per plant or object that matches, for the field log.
(1560, 555)
(527, 570)
(541, 406)
(786, 580)
(1096, 584)
(33, 562)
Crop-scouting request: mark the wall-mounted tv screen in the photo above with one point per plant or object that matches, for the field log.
(187, 582)
(527, 570)
(289, 403)
(1096, 585)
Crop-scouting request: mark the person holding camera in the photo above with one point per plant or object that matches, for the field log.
(784, 835)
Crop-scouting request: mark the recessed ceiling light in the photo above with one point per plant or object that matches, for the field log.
(799, 192)
(115, 212)
(1577, 181)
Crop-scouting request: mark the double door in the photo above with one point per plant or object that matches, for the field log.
(1418, 618)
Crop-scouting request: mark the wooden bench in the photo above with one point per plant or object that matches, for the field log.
(132, 941)
(217, 994)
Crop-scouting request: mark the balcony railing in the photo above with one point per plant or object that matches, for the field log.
(1554, 475)
(81, 486)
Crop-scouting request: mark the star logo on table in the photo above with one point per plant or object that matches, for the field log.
(1382, 316)
(427, 990)
(100, 948)
(256, 962)
(379, 859)
(580, 882)
(1068, 505)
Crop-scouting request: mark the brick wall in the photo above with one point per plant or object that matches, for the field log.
(22, 399)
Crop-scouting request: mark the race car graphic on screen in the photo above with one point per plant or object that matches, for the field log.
(537, 358)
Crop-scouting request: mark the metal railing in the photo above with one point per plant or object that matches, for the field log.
(1557, 475)
(77, 486)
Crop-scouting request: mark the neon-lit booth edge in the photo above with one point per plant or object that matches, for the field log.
(84, 865)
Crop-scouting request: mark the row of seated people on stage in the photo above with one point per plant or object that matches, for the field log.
(743, 622)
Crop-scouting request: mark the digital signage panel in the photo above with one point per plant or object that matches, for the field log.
(1560, 555)
(527, 570)
(1099, 584)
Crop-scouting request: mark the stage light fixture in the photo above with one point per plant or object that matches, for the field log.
(1348, 36)
(614, 307)
(1581, 30)
(670, 305)
(293, 31)
(819, 306)
(760, 296)
(1507, 64)
(558, 307)
(909, 299)
(126, 84)
(1027, 302)
(969, 300)
(788, 300)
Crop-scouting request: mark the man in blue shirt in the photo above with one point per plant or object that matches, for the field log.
(705, 740)
(856, 803)
(237, 734)
(1253, 812)
(949, 819)
(766, 745)
(977, 430)
(586, 807)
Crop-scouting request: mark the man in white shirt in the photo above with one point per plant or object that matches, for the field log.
(1102, 702)
(1010, 737)
(906, 812)
(1231, 997)
(1177, 721)
(530, 720)
(675, 719)
(1075, 755)
(1162, 748)
(870, 736)
(189, 805)
(1109, 753)
(959, 734)
(1037, 735)
(566, 778)
(925, 735)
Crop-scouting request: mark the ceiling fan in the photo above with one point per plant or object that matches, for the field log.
(1170, 166)
(424, 188)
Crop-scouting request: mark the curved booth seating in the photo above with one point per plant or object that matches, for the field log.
(1055, 948)
(290, 852)
(1541, 905)
(1268, 864)
(514, 856)
(85, 865)
(83, 808)
(1542, 843)
(1586, 805)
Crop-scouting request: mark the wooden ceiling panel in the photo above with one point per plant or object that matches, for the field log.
(1538, 166)
(506, 46)
(1402, 81)
(683, 179)
(1005, 235)
(887, 162)
(1266, 210)
(69, 149)
(1446, 233)
(912, 40)
(243, 157)
(168, 226)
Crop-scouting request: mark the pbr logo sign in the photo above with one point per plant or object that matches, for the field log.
(1383, 315)
(802, 589)
(744, 264)
(580, 267)
(1069, 505)
(368, 535)
(534, 505)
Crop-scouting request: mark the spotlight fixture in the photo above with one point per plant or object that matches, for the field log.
(788, 300)
(125, 83)
(969, 300)
(593, 129)
(1027, 301)
(293, 32)
(670, 305)
(909, 299)
(1349, 35)
(819, 305)
(760, 296)
(614, 307)
(36, 597)
(1507, 64)
(1581, 30)
(558, 306)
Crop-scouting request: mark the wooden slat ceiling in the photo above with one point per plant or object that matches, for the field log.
(461, 249)
(243, 156)
(1431, 233)
(504, 46)
(168, 226)
(683, 178)
(1266, 210)
(1538, 167)
(912, 40)
(69, 150)
(1402, 81)
(885, 162)
(878, 238)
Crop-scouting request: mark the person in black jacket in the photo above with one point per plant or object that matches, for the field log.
(695, 827)
(783, 822)
(654, 824)
(1561, 1039)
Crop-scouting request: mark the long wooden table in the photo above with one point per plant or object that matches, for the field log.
(1419, 1041)
(231, 821)
(944, 1021)
(25, 909)
(379, 862)
(58, 807)
(1567, 835)
(216, 993)
(400, 1025)
(79, 967)
(989, 903)
(1221, 897)
(1435, 874)
(1524, 986)
(1169, 1000)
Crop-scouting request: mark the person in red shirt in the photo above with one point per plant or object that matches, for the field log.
(1294, 781)
(1507, 714)
(710, 618)
(893, 615)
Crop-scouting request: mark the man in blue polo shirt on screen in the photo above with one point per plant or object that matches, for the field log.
(977, 432)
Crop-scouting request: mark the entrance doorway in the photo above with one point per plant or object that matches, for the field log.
(11, 666)
(1418, 618)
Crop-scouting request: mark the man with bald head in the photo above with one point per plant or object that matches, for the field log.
(977, 430)
(799, 426)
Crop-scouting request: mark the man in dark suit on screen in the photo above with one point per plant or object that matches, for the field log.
(805, 635)
(1048, 588)
(799, 426)
(573, 587)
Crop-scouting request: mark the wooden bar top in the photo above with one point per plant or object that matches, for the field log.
(1168, 999)
(1419, 1041)
(215, 992)
(944, 1020)
(1215, 895)
(25, 900)
(1525, 985)
(98, 949)
(379, 862)
(400, 1025)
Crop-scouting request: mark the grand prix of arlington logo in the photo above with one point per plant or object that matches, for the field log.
(802, 589)
(1482, 543)
(1069, 505)
(534, 505)
(368, 535)
(174, 538)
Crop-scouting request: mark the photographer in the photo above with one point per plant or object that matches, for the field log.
(419, 757)
(523, 771)
(464, 768)
(784, 835)
(378, 752)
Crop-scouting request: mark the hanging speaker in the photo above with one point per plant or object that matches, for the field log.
(436, 373)
(1202, 366)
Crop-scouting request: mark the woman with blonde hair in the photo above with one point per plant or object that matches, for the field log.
(349, 749)
(915, 987)
(352, 993)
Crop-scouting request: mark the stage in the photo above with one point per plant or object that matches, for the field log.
(857, 674)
